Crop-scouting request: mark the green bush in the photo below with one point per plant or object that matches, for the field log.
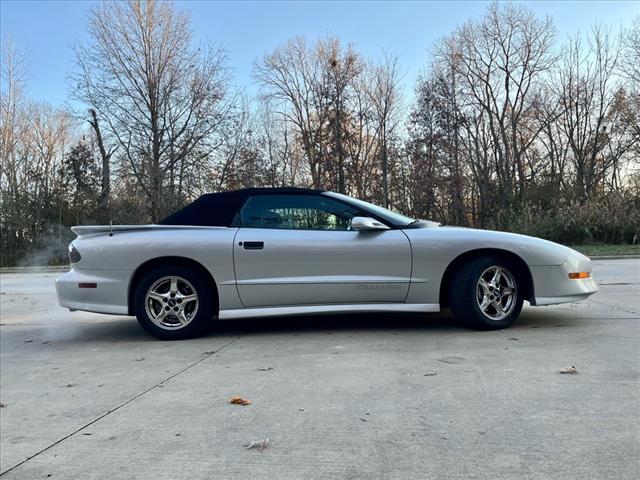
(611, 219)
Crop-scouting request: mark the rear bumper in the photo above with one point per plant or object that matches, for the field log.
(552, 284)
(109, 295)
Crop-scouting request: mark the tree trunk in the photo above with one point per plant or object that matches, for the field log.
(104, 200)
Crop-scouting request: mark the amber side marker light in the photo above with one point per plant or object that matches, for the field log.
(579, 275)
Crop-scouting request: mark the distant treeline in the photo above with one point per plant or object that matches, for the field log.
(509, 128)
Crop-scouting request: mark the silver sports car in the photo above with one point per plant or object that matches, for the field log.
(286, 251)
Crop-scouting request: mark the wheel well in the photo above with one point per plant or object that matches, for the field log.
(161, 261)
(522, 271)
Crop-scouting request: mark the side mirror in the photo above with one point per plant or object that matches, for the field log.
(363, 224)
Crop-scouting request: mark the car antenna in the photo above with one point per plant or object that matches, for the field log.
(111, 227)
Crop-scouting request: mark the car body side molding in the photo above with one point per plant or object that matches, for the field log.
(327, 309)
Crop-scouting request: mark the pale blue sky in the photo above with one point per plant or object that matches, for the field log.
(47, 29)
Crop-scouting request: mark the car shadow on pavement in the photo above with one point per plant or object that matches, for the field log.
(336, 323)
(127, 330)
(442, 322)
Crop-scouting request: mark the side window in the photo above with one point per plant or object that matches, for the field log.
(298, 212)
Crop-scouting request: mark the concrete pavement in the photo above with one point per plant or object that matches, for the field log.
(367, 396)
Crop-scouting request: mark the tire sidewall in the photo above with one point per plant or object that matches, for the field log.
(205, 303)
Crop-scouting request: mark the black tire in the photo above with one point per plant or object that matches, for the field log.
(464, 295)
(196, 323)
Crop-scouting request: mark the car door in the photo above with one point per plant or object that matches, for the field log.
(299, 250)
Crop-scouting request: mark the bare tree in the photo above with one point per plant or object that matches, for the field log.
(587, 95)
(424, 153)
(313, 88)
(449, 91)
(104, 199)
(282, 166)
(501, 59)
(33, 139)
(360, 140)
(385, 96)
(630, 69)
(160, 97)
(291, 78)
(630, 61)
(340, 68)
(13, 121)
(230, 171)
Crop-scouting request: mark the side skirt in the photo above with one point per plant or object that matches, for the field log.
(327, 309)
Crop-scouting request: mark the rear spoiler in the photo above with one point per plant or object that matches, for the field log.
(111, 229)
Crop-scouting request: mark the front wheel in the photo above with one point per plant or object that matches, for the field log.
(485, 294)
(172, 303)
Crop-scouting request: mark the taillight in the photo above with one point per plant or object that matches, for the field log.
(74, 255)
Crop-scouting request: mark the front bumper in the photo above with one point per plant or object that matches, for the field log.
(109, 296)
(552, 284)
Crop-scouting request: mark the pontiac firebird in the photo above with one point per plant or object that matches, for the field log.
(285, 251)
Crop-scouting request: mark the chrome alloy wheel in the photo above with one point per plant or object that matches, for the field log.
(171, 302)
(496, 293)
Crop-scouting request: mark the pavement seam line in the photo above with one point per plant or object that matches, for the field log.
(615, 308)
(127, 402)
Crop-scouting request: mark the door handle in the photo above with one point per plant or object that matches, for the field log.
(253, 245)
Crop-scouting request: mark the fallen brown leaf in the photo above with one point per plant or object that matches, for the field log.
(569, 370)
(259, 444)
(240, 401)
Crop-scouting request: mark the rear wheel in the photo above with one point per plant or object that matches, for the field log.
(485, 294)
(173, 302)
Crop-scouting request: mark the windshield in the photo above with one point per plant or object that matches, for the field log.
(393, 218)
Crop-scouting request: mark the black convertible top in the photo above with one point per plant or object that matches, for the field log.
(218, 209)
